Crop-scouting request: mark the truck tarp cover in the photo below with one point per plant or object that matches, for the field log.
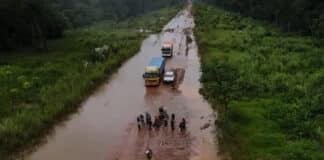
(156, 62)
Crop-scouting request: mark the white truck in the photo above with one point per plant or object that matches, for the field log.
(167, 49)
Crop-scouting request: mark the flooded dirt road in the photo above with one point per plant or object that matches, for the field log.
(105, 126)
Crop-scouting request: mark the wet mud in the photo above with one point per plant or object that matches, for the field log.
(105, 127)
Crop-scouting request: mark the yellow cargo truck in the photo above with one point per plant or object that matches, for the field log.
(154, 71)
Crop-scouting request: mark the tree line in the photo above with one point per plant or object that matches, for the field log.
(302, 16)
(33, 22)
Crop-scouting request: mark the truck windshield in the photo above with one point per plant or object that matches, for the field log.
(166, 49)
(151, 75)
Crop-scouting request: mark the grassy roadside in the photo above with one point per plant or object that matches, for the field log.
(266, 84)
(38, 89)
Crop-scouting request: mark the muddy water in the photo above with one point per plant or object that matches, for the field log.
(105, 128)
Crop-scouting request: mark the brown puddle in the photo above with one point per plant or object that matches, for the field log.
(105, 128)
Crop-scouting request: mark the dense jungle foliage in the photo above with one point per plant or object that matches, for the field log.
(267, 85)
(33, 22)
(38, 88)
(302, 16)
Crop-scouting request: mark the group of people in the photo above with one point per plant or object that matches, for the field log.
(162, 120)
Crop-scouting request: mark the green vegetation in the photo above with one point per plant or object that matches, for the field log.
(33, 22)
(266, 84)
(37, 89)
(301, 16)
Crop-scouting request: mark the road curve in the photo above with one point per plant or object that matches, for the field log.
(105, 128)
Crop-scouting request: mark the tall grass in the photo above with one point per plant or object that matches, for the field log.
(266, 84)
(38, 89)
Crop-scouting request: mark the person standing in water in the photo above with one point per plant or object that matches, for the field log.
(157, 122)
(183, 124)
(139, 126)
(172, 121)
(142, 119)
(149, 124)
(147, 117)
(166, 119)
(161, 113)
(148, 120)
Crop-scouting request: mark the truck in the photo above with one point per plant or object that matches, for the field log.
(154, 71)
(167, 49)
